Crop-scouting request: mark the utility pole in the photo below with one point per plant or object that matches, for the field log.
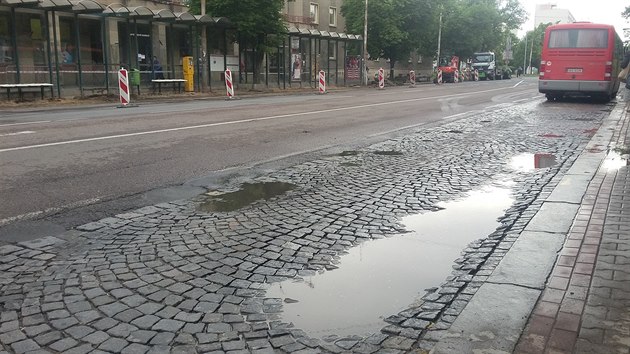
(531, 52)
(439, 39)
(365, 54)
(525, 55)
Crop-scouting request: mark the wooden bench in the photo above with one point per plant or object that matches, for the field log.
(21, 87)
(176, 83)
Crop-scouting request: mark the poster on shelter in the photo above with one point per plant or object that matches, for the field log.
(353, 64)
(296, 67)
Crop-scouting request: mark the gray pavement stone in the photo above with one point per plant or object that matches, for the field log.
(493, 320)
(24, 346)
(63, 345)
(529, 261)
(553, 217)
(162, 338)
(141, 336)
(114, 345)
(168, 325)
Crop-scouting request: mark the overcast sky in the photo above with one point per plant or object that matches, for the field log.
(600, 11)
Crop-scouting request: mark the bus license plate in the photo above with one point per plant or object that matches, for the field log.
(574, 70)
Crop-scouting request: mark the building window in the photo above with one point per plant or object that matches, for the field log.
(333, 16)
(332, 49)
(315, 12)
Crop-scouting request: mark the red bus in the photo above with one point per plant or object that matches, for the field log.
(580, 59)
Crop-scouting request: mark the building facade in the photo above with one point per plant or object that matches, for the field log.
(79, 45)
(550, 13)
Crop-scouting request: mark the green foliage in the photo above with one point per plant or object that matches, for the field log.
(395, 27)
(479, 25)
(258, 23)
(534, 47)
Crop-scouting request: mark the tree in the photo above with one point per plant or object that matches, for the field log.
(259, 24)
(394, 26)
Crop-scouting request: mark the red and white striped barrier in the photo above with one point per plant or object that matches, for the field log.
(123, 87)
(476, 74)
(456, 76)
(412, 78)
(381, 79)
(229, 87)
(439, 77)
(322, 81)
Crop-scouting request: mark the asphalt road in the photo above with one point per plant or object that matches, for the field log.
(63, 167)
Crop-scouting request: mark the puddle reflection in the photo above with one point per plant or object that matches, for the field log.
(382, 277)
(614, 161)
(528, 162)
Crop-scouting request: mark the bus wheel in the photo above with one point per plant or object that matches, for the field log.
(551, 97)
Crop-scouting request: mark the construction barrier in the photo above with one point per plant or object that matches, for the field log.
(322, 81)
(228, 83)
(476, 75)
(412, 78)
(381, 79)
(123, 87)
(439, 77)
(456, 76)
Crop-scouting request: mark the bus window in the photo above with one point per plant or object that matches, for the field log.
(578, 38)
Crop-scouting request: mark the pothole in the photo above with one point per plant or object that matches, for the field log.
(381, 277)
(216, 201)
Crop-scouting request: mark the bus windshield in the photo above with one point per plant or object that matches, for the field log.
(578, 38)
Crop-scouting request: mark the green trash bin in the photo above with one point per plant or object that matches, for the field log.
(134, 77)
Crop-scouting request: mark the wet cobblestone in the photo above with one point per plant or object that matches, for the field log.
(172, 278)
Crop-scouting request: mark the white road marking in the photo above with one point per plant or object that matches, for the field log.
(24, 123)
(19, 133)
(518, 83)
(49, 210)
(250, 120)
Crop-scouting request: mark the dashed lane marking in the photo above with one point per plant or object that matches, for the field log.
(19, 133)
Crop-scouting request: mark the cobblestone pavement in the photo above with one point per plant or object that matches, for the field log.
(586, 305)
(172, 278)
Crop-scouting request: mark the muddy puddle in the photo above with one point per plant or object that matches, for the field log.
(216, 201)
(382, 277)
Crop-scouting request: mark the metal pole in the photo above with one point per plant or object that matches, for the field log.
(16, 58)
(105, 51)
(531, 51)
(525, 55)
(439, 40)
(56, 45)
(78, 43)
(365, 54)
(48, 51)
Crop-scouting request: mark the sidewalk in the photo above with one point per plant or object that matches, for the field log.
(585, 307)
(564, 286)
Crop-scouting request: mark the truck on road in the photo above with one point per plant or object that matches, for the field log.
(486, 64)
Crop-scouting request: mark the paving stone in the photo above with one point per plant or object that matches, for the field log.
(168, 325)
(46, 338)
(24, 346)
(63, 344)
(135, 348)
(114, 345)
(162, 338)
(141, 336)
